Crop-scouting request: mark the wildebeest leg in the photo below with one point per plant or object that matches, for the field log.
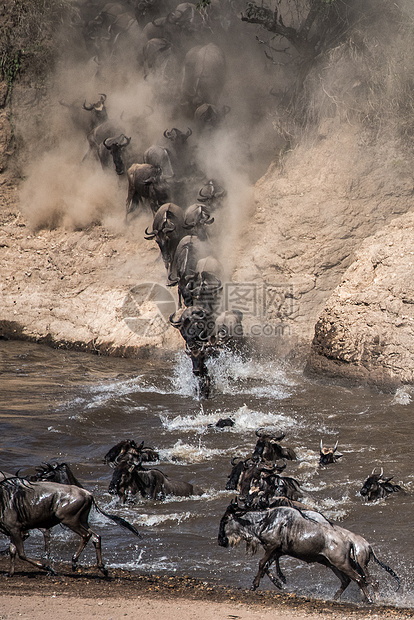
(16, 544)
(345, 581)
(263, 566)
(346, 577)
(274, 579)
(12, 551)
(46, 540)
(85, 532)
(279, 574)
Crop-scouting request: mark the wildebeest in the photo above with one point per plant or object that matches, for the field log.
(204, 76)
(128, 449)
(172, 155)
(167, 230)
(211, 194)
(268, 448)
(184, 265)
(328, 455)
(98, 111)
(229, 333)
(111, 149)
(145, 188)
(55, 472)
(26, 505)
(378, 487)
(129, 479)
(208, 117)
(196, 326)
(302, 534)
(197, 216)
(203, 287)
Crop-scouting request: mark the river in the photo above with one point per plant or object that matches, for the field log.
(67, 406)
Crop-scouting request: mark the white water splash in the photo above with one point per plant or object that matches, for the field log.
(402, 396)
(245, 420)
(188, 453)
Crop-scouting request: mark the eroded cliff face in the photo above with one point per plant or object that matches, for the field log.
(311, 215)
(366, 330)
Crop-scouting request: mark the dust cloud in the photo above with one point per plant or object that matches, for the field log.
(65, 184)
(103, 53)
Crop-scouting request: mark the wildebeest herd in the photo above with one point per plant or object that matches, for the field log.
(270, 510)
(177, 48)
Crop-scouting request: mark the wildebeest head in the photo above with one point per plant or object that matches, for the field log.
(377, 487)
(268, 448)
(178, 138)
(211, 194)
(55, 472)
(209, 117)
(195, 324)
(98, 109)
(328, 455)
(115, 146)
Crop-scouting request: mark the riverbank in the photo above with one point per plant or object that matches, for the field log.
(31, 594)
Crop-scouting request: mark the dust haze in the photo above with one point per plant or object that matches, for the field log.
(103, 53)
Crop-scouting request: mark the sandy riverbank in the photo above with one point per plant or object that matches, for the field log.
(34, 595)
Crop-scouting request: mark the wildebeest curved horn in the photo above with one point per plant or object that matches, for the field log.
(149, 235)
(167, 133)
(335, 447)
(124, 141)
(103, 97)
(258, 431)
(188, 132)
(200, 193)
(173, 321)
(239, 459)
(321, 446)
(382, 473)
(85, 107)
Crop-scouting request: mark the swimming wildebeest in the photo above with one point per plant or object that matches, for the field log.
(328, 455)
(128, 449)
(26, 505)
(129, 479)
(302, 534)
(268, 448)
(378, 487)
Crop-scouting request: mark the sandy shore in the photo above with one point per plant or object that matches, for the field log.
(34, 595)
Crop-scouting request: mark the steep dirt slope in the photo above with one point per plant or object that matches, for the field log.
(312, 213)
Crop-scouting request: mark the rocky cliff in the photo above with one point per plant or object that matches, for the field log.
(366, 330)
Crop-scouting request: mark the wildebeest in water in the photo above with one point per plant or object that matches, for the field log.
(26, 505)
(304, 534)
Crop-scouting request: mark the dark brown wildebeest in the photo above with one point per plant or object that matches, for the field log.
(129, 479)
(328, 455)
(203, 77)
(378, 487)
(55, 472)
(128, 449)
(145, 188)
(302, 534)
(268, 448)
(167, 230)
(26, 505)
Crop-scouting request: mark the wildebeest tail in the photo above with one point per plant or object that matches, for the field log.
(119, 521)
(387, 568)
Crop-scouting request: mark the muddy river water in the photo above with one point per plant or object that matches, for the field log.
(72, 407)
